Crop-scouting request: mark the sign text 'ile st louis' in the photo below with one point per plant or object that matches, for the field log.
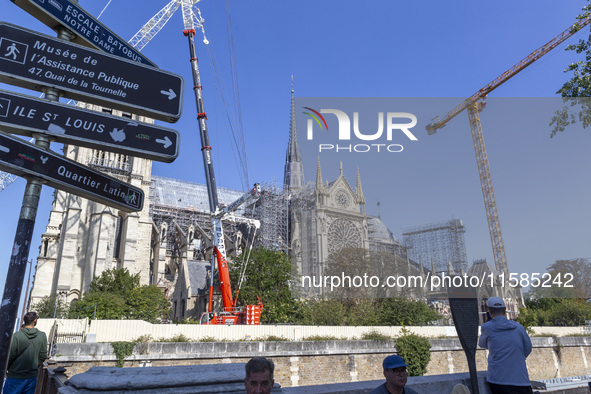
(25, 115)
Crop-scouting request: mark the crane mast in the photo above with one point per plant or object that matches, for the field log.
(230, 314)
(474, 105)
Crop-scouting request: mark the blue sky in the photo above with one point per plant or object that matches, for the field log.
(423, 48)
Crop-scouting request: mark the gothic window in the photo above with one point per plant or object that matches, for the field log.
(45, 246)
(342, 233)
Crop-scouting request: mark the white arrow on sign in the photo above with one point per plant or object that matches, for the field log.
(4, 149)
(171, 94)
(166, 142)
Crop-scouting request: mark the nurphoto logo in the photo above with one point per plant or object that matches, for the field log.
(390, 126)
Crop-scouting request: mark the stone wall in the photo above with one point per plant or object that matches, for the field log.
(323, 362)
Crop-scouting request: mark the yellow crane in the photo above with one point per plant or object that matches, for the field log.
(474, 104)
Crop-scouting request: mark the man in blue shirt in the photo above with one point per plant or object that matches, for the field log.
(508, 346)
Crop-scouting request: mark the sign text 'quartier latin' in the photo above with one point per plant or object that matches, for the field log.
(25, 159)
(33, 60)
(90, 182)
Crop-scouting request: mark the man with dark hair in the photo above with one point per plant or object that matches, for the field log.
(508, 346)
(396, 376)
(259, 376)
(27, 351)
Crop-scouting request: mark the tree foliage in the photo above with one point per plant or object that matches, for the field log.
(554, 312)
(50, 306)
(267, 275)
(416, 352)
(569, 278)
(578, 88)
(349, 263)
(366, 312)
(117, 294)
(403, 312)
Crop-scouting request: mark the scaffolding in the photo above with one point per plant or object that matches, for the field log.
(440, 243)
(186, 204)
(271, 210)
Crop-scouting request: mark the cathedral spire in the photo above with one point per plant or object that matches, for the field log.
(359, 192)
(359, 189)
(293, 176)
(319, 184)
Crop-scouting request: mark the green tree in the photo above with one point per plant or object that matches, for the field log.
(569, 278)
(319, 312)
(578, 88)
(416, 352)
(362, 312)
(148, 303)
(555, 312)
(50, 306)
(404, 312)
(266, 275)
(116, 281)
(117, 294)
(107, 305)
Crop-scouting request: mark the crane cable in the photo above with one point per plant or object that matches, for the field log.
(240, 160)
(235, 83)
(233, 123)
(98, 17)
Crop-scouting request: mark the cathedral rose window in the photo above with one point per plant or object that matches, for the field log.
(342, 233)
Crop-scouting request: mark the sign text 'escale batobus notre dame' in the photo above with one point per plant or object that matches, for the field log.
(88, 31)
(32, 60)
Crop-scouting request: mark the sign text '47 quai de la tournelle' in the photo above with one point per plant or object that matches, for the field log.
(32, 60)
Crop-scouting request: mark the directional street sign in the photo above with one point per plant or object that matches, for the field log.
(22, 158)
(88, 30)
(32, 60)
(25, 115)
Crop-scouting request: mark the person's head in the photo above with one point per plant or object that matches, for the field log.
(30, 319)
(395, 372)
(259, 376)
(496, 306)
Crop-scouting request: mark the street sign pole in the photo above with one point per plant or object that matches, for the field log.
(20, 249)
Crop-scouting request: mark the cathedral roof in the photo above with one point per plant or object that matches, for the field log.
(187, 195)
(378, 230)
(479, 268)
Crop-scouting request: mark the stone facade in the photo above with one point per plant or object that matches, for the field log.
(83, 238)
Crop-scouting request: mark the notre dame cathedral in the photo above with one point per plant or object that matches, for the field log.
(169, 243)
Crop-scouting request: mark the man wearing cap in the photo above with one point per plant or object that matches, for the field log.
(508, 346)
(396, 375)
